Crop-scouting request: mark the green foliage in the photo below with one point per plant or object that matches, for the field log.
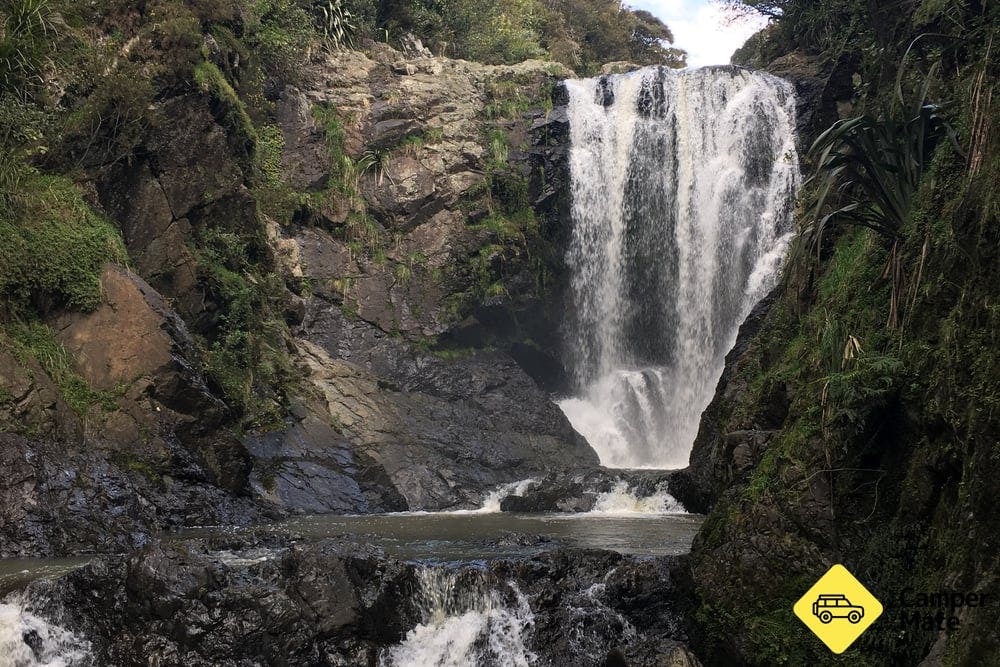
(582, 34)
(228, 107)
(269, 143)
(34, 340)
(278, 33)
(814, 26)
(28, 29)
(244, 358)
(376, 161)
(585, 34)
(874, 168)
(21, 135)
(335, 22)
(149, 470)
(505, 100)
(53, 246)
(112, 121)
(492, 31)
(335, 138)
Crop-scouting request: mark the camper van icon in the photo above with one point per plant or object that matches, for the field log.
(828, 607)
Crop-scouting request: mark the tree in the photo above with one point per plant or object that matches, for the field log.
(601, 31)
(770, 8)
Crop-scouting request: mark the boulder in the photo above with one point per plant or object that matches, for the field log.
(309, 466)
(133, 346)
(445, 431)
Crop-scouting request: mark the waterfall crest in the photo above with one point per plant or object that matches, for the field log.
(683, 187)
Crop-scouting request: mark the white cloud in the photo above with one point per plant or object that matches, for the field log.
(701, 29)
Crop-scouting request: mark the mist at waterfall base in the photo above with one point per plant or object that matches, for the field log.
(683, 188)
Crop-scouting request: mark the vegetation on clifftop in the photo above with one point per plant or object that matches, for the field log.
(581, 34)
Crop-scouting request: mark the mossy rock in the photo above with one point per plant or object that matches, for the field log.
(53, 246)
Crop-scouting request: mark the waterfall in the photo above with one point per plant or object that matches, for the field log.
(683, 188)
(465, 624)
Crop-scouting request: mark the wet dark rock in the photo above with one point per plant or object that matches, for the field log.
(578, 491)
(605, 92)
(58, 500)
(185, 604)
(822, 89)
(310, 467)
(569, 498)
(232, 603)
(445, 431)
(589, 606)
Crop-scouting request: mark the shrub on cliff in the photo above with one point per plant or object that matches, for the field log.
(53, 246)
(27, 31)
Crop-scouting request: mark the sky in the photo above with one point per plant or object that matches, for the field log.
(700, 28)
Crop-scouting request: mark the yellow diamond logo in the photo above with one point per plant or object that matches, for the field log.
(838, 609)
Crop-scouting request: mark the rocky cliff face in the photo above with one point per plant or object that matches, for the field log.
(393, 214)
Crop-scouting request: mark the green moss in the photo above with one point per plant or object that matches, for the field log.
(335, 137)
(505, 99)
(228, 107)
(433, 135)
(270, 143)
(268, 478)
(53, 246)
(245, 359)
(34, 340)
(499, 143)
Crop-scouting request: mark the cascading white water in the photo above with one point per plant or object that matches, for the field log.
(683, 186)
(623, 500)
(27, 640)
(464, 626)
(492, 501)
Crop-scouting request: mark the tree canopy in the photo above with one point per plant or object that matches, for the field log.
(582, 34)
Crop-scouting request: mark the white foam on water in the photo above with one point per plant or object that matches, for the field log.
(56, 646)
(623, 500)
(464, 626)
(491, 504)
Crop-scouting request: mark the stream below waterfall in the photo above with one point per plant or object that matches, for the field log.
(467, 619)
(466, 537)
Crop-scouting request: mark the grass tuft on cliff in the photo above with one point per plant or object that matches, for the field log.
(53, 246)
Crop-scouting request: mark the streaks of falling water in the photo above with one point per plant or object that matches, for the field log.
(683, 186)
(466, 623)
